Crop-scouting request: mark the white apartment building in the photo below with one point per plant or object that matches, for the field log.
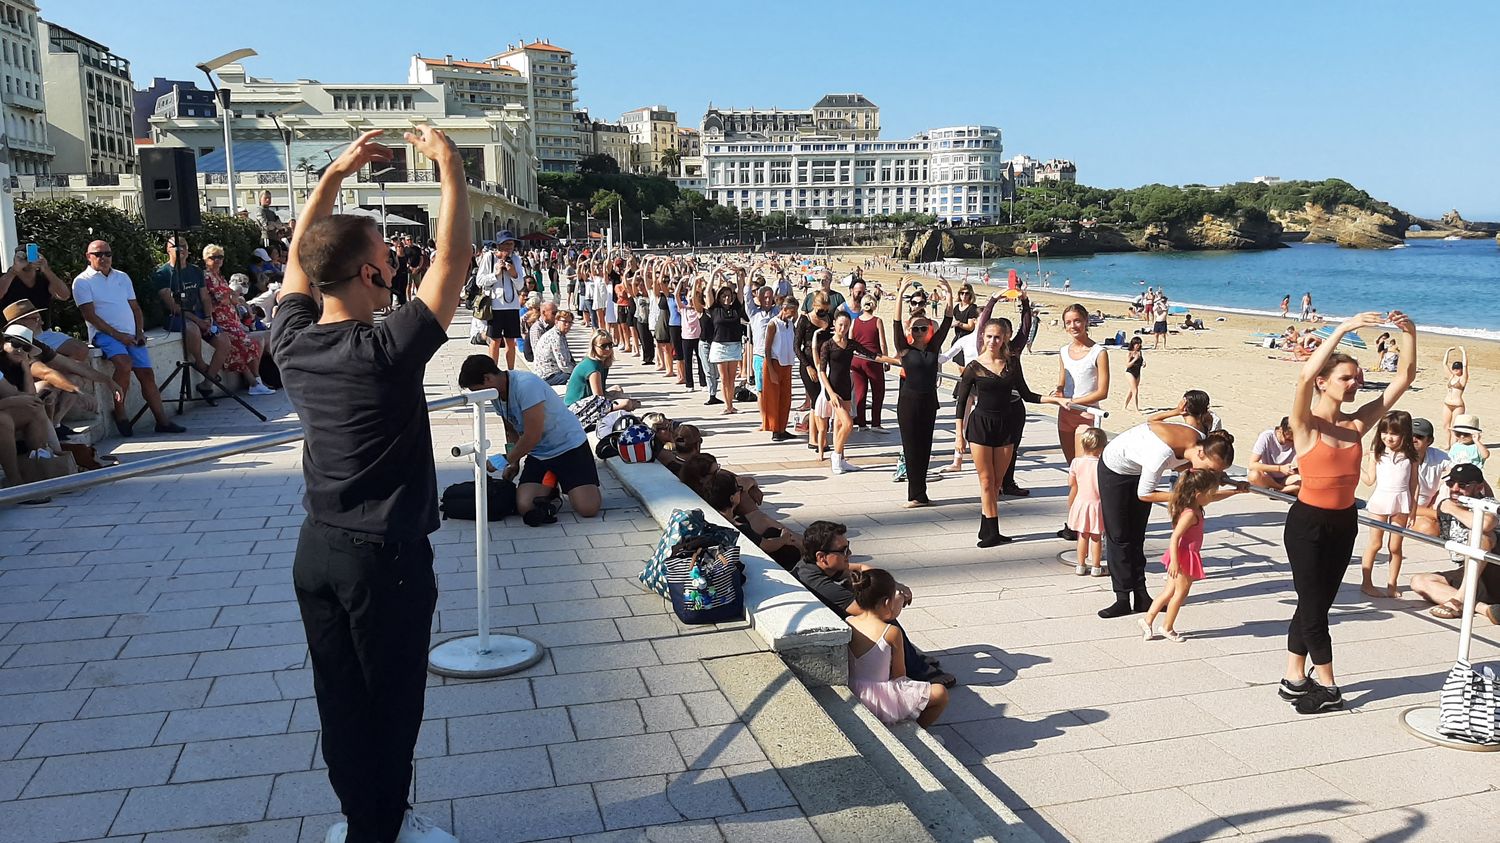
(498, 151)
(28, 146)
(89, 108)
(955, 173)
(653, 130)
(550, 97)
(471, 86)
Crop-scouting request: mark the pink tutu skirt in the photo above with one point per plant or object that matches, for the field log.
(893, 700)
(1086, 517)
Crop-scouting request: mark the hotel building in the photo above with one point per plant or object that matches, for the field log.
(89, 104)
(28, 146)
(653, 131)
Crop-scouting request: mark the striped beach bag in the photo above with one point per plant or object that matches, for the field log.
(705, 584)
(1469, 705)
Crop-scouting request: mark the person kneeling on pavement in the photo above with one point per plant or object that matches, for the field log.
(545, 437)
(824, 570)
(1455, 521)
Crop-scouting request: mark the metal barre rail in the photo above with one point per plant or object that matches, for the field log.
(1452, 547)
(167, 462)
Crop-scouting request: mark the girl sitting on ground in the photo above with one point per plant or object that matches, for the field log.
(1084, 513)
(877, 657)
(1195, 489)
(1391, 468)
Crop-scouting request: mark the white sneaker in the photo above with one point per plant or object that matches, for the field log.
(261, 389)
(336, 833)
(843, 464)
(1082, 570)
(416, 828)
(835, 465)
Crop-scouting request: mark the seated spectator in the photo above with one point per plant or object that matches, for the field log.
(24, 427)
(59, 380)
(686, 442)
(824, 570)
(553, 361)
(1273, 460)
(696, 470)
(1455, 522)
(38, 284)
(244, 353)
(544, 437)
(531, 314)
(545, 319)
(721, 491)
(589, 377)
(106, 298)
(877, 655)
(184, 291)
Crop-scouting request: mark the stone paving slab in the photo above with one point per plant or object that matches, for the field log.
(154, 687)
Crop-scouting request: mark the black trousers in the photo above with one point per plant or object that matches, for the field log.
(916, 416)
(1017, 426)
(688, 356)
(1319, 545)
(1125, 520)
(367, 610)
(647, 341)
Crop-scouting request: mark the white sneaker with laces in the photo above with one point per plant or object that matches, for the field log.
(416, 828)
(336, 833)
(261, 389)
(835, 467)
(843, 464)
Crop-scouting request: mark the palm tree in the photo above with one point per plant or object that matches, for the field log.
(671, 160)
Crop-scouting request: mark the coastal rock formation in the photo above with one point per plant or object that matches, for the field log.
(1348, 226)
(1210, 232)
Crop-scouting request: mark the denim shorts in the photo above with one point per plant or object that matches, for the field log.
(140, 357)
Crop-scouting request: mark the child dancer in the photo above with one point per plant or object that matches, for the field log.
(1195, 489)
(1392, 467)
(1084, 513)
(877, 660)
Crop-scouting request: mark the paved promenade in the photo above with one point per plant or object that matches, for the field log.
(153, 681)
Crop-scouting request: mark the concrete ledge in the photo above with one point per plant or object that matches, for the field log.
(843, 795)
(789, 619)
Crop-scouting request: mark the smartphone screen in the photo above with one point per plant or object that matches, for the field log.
(32, 253)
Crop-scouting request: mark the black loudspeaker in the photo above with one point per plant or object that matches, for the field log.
(169, 189)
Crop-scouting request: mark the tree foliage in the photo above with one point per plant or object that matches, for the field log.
(599, 163)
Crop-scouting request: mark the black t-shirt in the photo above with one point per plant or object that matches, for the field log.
(399, 275)
(964, 313)
(367, 457)
(39, 293)
(834, 593)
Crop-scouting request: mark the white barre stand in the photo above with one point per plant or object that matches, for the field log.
(1422, 720)
(483, 655)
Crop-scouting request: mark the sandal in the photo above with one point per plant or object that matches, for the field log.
(1446, 611)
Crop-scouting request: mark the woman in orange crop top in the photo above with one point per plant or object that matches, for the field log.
(1322, 525)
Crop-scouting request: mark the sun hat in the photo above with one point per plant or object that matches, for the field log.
(1422, 428)
(1466, 423)
(19, 310)
(505, 236)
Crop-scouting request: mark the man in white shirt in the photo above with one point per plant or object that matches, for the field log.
(106, 297)
(1272, 460)
(505, 287)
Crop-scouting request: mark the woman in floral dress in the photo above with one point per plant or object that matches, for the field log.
(244, 353)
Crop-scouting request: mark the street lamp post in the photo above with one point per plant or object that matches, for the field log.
(286, 141)
(208, 69)
(643, 231)
(695, 234)
(383, 214)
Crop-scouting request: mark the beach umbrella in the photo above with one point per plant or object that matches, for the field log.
(1352, 339)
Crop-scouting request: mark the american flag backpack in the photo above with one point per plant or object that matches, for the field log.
(637, 443)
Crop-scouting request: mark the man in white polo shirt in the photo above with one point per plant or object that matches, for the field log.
(106, 297)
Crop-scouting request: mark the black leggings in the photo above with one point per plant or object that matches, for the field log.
(1319, 545)
(810, 383)
(1125, 520)
(916, 416)
(688, 355)
(647, 341)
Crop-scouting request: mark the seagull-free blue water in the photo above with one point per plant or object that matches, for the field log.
(1448, 286)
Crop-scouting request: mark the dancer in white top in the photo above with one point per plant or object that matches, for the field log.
(1082, 378)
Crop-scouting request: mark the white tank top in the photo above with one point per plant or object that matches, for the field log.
(1080, 377)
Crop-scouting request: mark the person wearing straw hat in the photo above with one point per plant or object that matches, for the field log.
(1466, 447)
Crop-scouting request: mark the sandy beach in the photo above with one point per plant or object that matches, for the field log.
(1251, 386)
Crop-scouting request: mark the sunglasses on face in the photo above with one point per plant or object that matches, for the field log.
(215, 257)
(606, 345)
(919, 329)
(102, 254)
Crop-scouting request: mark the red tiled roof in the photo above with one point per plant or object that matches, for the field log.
(535, 45)
(476, 65)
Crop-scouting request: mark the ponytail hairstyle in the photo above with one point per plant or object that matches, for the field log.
(1398, 422)
(1195, 407)
(1192, 484)
(1219, 445)
(872, 587)
(1078, 309)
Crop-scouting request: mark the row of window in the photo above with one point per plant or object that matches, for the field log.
(23, 86)
(371, 102)
(22, 56)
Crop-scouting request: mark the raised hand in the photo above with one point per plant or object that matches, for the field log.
(1369, 319)
(363, 151)
(1402, 321)
(433, 144)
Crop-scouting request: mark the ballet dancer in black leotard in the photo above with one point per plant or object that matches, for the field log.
(917, 404)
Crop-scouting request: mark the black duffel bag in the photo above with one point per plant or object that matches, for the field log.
(458, 500)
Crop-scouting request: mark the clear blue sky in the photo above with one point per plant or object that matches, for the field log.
(1398, 98)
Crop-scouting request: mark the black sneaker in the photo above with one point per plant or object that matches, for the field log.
(712, 400)
(1068, 534)
(947, 680)
(1292, 692)
(124, 426)
(1320, 698)
(1017, 492)
(170, 427)
(781, 436)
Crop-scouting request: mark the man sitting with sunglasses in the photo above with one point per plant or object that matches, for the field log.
(1455, 523)
(824, 570)
(106, 298)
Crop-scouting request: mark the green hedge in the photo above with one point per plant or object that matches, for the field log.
(63, 228)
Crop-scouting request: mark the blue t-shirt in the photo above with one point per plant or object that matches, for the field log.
(673, 317)
(563, 433)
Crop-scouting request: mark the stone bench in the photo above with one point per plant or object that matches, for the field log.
(792, 622)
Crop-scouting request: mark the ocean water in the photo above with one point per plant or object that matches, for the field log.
(1452, 287)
